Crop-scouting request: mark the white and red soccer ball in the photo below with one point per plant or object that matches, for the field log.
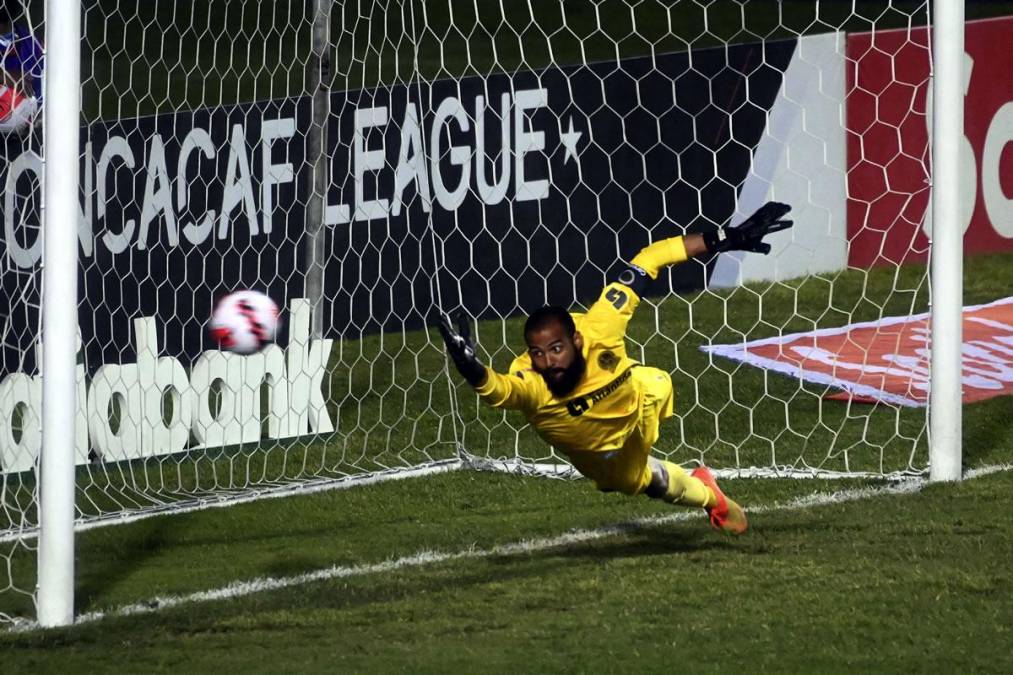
(244, 322)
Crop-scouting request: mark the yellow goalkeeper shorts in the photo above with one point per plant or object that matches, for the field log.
(626, 470)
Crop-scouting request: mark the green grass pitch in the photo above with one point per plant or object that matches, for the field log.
(898, 583)
(893, 583)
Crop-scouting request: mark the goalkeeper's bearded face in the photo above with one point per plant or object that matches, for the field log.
(557, 357)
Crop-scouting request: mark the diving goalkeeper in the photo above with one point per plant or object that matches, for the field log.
(586, 397)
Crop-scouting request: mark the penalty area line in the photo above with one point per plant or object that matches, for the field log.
(240, 589)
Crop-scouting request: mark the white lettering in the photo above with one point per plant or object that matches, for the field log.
(112, 386)
(336, 214)
(968, 167)
(20, 255)
(306, 368)
(157, 200)
(238, 191)
(492, 193)
(21, 395)
(197, 138)
(918, 376)
(116, 146)
(528, 141)
(273, 174)
(371, 160)
(159, 378)
(997, 204)
(281, 422)
(84, 221)
(235, 421)
(986, 362)
(411, 168)
(81, 399)
(459, 154)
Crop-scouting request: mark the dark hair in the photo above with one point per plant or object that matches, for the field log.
(543, 316)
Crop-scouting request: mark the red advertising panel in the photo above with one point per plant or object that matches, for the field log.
(888, 360)
(888, 154)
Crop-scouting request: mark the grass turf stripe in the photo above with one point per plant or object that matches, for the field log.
(240, 589)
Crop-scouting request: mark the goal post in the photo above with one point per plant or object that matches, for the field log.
(367, 164)
(59, 313)
(947, 242)
(318, 75)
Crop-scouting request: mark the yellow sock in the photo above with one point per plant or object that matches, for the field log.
(685, 490)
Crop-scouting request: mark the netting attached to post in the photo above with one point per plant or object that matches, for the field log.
(481, 157)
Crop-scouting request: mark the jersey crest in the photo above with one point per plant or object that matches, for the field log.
(608, 361)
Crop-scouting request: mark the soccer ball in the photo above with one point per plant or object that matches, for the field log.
(244, 322)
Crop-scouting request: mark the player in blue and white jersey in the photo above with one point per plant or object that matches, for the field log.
(21, 53)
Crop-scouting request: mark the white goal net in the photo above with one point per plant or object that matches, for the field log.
(365, 163)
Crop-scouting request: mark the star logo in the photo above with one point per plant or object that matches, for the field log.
(569, 139)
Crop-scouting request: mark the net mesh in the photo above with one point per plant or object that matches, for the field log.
(366, 162)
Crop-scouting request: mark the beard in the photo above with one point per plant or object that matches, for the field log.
(561, 381)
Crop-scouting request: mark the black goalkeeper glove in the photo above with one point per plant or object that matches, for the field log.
(748, 236)
(461, 350)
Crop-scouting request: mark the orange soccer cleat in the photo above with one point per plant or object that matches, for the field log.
(726, 515)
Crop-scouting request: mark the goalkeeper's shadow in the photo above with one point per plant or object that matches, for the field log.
(632, 543)
(541, 563)
(144, 540)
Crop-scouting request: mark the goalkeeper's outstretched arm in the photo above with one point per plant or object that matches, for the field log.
(501, 391)
(461, 349)
(638, 273)
(746, 236)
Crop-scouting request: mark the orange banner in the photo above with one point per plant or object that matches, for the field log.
(888, 360)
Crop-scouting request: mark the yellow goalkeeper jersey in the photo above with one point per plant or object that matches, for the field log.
(605, 406)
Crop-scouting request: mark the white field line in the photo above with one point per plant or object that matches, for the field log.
(987, 470)
(222, 500)
(326, 484)
(566, 471)
(241, 589)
